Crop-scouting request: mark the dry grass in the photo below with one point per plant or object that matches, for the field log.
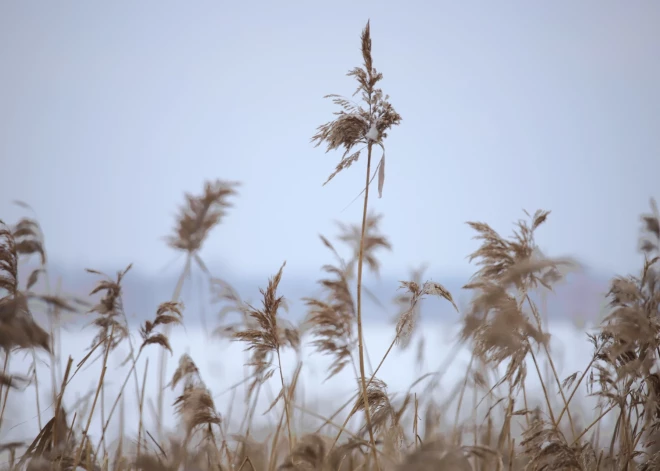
(391, 430)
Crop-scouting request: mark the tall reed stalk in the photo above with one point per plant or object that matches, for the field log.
(361, 125)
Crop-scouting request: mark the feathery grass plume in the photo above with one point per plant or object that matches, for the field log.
(390, 422)
(168, 313)
(196, 218)
(406, 306)
(195, 405)
(385, 417)
(415, 293)
(225, 294)
(200, 215)
(269, 337)
(499, 330)
(627, 352)
(497, 325)
(110, 310)
(351, 235)
(17, 326)
(374, 241)
(379, 402)
(548, 450)
(631, 329)
(28, 240)
(365, 125)
(496, 322)
(187, 372)
(360, 124)
(650, 236)
(8, 260)
(330, 320)
(500, 258)
(263, 330)
(233, 304)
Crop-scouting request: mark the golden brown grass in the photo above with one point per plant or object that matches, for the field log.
(418, 429)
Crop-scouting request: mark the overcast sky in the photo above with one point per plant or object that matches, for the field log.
(109, 111)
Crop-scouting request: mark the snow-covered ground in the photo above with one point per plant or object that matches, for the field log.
(221, 364)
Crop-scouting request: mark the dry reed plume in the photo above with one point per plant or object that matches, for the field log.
(196, 219)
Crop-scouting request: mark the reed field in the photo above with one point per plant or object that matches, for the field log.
(149, 404)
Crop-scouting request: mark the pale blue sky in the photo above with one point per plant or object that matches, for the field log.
(109, 111)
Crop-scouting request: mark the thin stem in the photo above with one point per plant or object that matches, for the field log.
(117, 399)
(545, 390)
(552, 366)
(579, 383)
(373, 375)
(590, 426)
(36, 387)
(141, 405)
(105, 448)
(247, 421)
(273, 449)
(96, 397)
(462, 394)
(162, 358)
(333, 424)
(286, 403)
(6, 396)
(363, 382)
(59, 396)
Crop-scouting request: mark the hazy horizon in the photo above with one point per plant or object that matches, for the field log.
(580, 298)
